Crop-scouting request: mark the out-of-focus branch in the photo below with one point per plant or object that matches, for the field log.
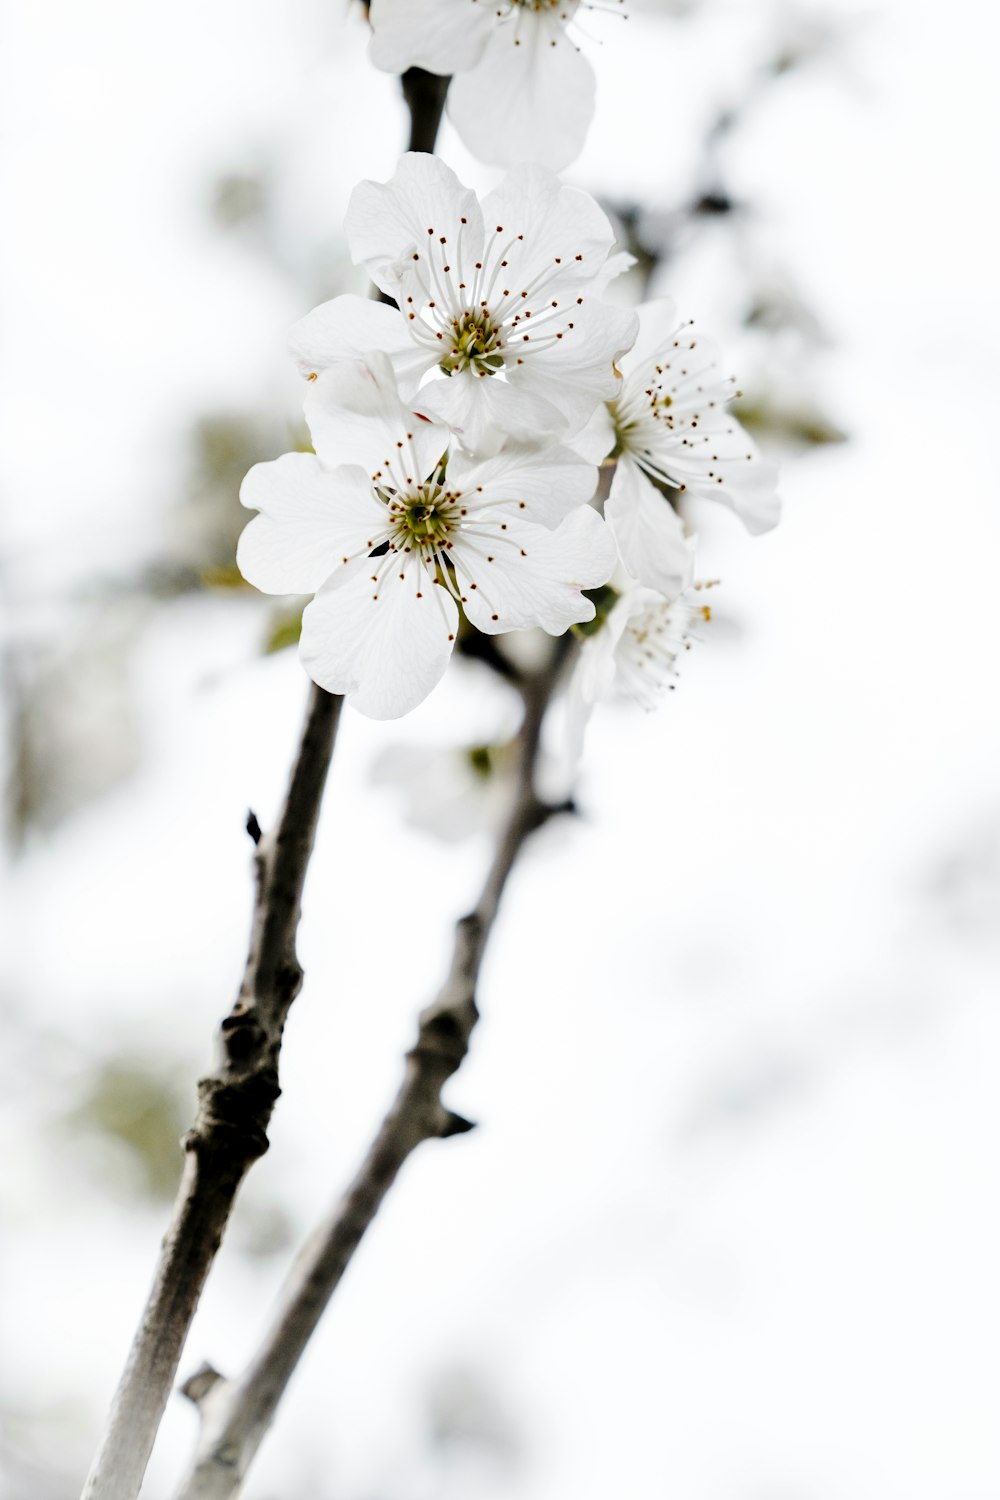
(236, 1414)
(234, 1110)
(425, 94)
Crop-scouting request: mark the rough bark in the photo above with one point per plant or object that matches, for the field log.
(235, 1102)
(237, 1413)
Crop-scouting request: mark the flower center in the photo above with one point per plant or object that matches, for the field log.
(425, 521)
(422, 519)
(476, 344)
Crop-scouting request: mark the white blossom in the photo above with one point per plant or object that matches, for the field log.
(500, 313)
(634, 651)
(392, 529)
(522, 91)
(670, 423)
(452, 792)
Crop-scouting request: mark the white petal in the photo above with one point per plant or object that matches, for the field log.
(311, 520)
(658, 321)
(482, 410)
(352, 327)
(648, 531)
(655, 635)
(578, 372)
(545, 483)
(596, 438)
(356, 417)
(563, 231)
(616, 265)
(725, 465)
(578, 712)
(528, 575)
(390, 225)
(596, 670)
(385, 644)
(443, 36)
(531, 102)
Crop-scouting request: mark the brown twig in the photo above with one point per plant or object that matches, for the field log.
(236, 1414)
(235, 1102)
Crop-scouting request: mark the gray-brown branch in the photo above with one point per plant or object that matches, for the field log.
(235, 1102)
(236, 1414)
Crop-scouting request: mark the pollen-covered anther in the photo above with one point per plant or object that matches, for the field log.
(476, 343)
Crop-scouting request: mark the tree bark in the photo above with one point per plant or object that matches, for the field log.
(236, 1414)
(235, 1102)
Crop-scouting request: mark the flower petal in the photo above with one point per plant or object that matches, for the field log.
(395, 228)
(578, 371)
(312, 520)
(483, 410)
(596, 438)
(434, 34)
(385, 642)
(531, 98)
(356, 417)
(725, 465)
(528, 575)
(547, 229)
(658, 324)
(545, 483)
(648, 531)
(352, 327)
(656, 634)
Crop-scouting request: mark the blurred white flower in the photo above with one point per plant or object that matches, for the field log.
(501, 301)
(392, 529)
(522, 91)
(450, 792)
(634, 651)
(671, 423)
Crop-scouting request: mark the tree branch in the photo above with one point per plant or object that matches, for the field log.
(236, 1414)
(425, 94)
(235, 1102)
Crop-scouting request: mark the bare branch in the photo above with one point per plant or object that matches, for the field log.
(237, 1414)
(234, 1110)
(425, 94)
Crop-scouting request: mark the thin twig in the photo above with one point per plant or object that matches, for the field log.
(236, 1414)
(234, 1110)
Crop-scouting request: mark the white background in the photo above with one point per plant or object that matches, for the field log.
(728, 1230)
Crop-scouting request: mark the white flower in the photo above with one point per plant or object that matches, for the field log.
(671, 422)
(634, 651)
(522, 90)
(500, 303)
(391, 529)
(448, 791)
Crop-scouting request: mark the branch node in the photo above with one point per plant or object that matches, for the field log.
(454, 1124)
(253, 827)
(242, 1034)
(198, 1385)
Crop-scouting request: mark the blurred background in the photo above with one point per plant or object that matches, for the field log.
(728, 1229)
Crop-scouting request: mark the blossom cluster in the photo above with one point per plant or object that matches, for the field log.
(496, 445)
(459, 428)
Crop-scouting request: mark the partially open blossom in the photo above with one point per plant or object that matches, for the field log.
(671, 423)
(500, 313)
(392, 528)
(521, 91)
(635, 651)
